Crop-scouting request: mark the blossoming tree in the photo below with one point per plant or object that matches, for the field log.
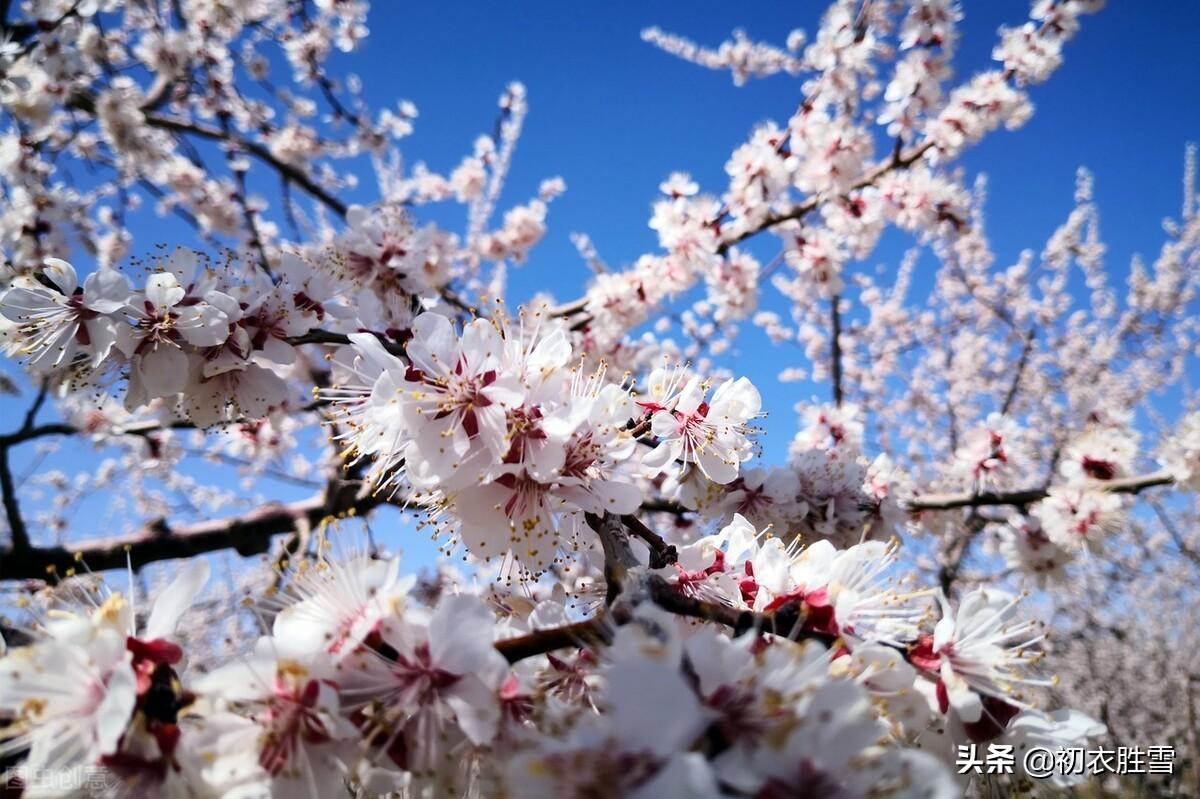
(644, 608)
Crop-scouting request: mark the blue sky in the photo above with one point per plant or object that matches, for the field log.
(613, 116)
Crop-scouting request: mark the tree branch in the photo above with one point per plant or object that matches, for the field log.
(803, 209)
(16, 524)
(591, 631)
(1022, 362)
(249, 534)
(319, 336)
(835, 348)
(292, 173)
(661, 553)
(578, 307)
(1028, 496)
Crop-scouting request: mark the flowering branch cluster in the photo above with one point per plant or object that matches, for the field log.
(362, 685)
(650, 610)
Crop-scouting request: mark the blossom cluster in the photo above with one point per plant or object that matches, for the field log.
(500, 427)
(362, 684)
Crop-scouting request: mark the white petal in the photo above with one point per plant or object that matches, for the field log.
(163, 290)
(106, 291)
(114, 713)
(61, 274)
(164, 371)
(176, 598)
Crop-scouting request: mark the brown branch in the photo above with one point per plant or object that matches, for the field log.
(788, 622)
(835, 348)
(242, 199)
(803, 209)
(289, 171)
(661, 553)
(580, 634)
(19, 535)
(1180, 543)
(249, 534)
(664, 506)
(795, 212)
(1022, 362)
(319, 336)
(1028, 496)
(618, 556)
(952, 556)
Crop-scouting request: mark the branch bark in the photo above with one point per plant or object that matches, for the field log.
(292, 173)
(249, 534)
(1028, 496)
(835, 348)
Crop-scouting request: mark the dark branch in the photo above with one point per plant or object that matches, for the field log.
(16, 525)
(249, 534)
(1028, 496)
(835, 347)
(581, 634)
(292, 173)
(1022, 362)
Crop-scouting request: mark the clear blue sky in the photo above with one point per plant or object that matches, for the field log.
(613, 116)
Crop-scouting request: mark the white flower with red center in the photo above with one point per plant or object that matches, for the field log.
(702, 571)
(869, 604)
(833, 747)
(273, 318)
(251, 392)
(386, 253)
(679, 184)
(68, 702)
(830, 427)
(456, 398)
(60, 320)
(1180, 455)
(982, 655)
(536, 349)
(1101, 453)
(817, 256)
(168, 316)
(427, 676)
(988, 451)
(367, 396)
(750, 687)
(559, 466)
(849, 593)
(765, 496)
(1079, 519)
(335, 604)
(886, 488)
(125, 674)
(712, 435)
(275, 728)
(687, 229)
(1027, 549)
(781, 726)
(313, 292)
(633, 749)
